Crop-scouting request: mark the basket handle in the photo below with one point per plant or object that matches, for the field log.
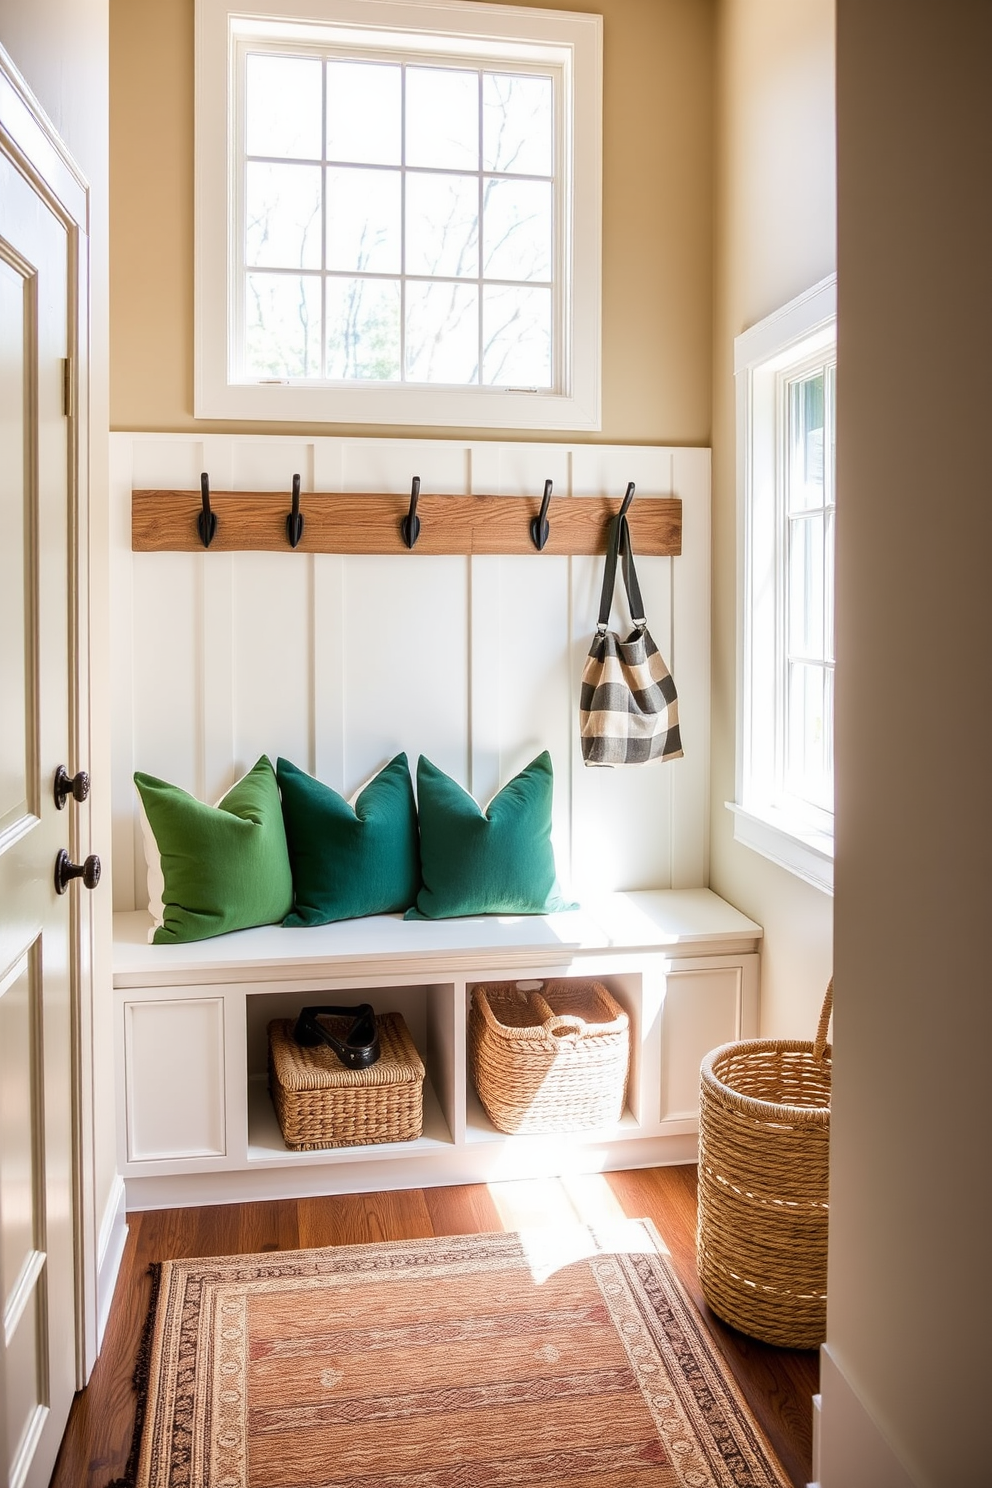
(556, 1023)
(562, 1023)
(821, 1028)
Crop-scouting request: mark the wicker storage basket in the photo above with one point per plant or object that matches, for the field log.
(548, 1057)
(764, 1135)
(319, 1103)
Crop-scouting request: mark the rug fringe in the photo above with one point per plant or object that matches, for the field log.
(139, 1381)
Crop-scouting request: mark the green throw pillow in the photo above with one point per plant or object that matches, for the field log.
(498, 861)
(215, 868)
(350, 861)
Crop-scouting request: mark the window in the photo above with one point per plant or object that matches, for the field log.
(398, 213)
(786, 368)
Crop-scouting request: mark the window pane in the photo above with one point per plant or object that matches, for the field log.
(282, 326)
(826, 795)
(806, 443)
(442, 118)
(809, 725)
(442, 215)
(828, 585)
(516, 225)
(283, 107)
(363, 221)
(363, 112)
(517, 124)
(363, 329)
(442, 333)
(516, 337)
(283, 216)
(806, 597)
(832, 433)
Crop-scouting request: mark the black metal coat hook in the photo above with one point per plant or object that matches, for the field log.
(410, 525)
(540, 527)
(294, 522)
(206, 522)
(628, 498)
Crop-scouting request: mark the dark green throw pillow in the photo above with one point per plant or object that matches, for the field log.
(476, 862)
(350, 861)
(214, 868)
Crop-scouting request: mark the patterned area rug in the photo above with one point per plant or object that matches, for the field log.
(569, 1357)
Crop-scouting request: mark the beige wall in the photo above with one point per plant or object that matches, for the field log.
(60, 47)
(657, 220)
(909, 1312)
(775, 237)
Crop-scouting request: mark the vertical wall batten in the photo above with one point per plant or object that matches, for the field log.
(327, 676)
(340, 662)
(327, 672)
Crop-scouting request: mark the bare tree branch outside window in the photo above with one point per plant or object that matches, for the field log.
(472, 302)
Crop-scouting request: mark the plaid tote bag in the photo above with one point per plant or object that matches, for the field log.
(628, 706)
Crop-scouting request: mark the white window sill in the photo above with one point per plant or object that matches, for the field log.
(455, 407)
(806, 853)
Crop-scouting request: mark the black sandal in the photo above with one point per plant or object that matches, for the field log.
(360, 1046)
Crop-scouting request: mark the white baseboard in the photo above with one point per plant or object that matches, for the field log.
(113, 1234)
(817, 1402)
(849, 1450)
(482, 1162)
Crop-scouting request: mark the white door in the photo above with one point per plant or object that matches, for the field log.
(37, 1283)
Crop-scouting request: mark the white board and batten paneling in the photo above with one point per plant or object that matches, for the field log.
(337, 663)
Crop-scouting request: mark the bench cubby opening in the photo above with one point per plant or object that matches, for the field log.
(428, 1009)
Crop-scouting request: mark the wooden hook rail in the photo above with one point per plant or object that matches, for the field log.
(166, 521)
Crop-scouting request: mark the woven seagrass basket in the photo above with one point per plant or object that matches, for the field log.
(764, 1138)
(320, 1103)
(549, 1057)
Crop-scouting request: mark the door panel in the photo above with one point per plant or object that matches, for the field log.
(702, 1010)
(18, 1094)
(37, 1280)
(15, 614)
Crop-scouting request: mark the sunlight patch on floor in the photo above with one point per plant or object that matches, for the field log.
(563, 1220)
(533, 1202)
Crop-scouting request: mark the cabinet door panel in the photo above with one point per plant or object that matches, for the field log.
(174, 1076)
(702, 1009)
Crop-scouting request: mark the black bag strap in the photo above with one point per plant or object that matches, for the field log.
(360, 1046)
(618, 547)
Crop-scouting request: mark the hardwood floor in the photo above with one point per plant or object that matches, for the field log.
(778, 1383)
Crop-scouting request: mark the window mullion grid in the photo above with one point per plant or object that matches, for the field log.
(324, 246)
(480, 265)
(830, 501)
(239, 227)
(403, 280)
(790, 523)
(325, 274)
(560, 272)
(830, 506)
(783, 562)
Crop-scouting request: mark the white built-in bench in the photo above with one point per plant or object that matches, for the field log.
(196, 1122)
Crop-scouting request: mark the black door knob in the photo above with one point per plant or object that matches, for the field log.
(66, 870)
(76, 786)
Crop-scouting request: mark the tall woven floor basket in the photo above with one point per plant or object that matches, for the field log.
(764, 1138)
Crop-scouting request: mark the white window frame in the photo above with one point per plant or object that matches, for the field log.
(569, 43)
(766, 818)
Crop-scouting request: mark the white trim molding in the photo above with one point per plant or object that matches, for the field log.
(110, 1253)
(809, 856)
(568, 46)
(788, 831)
(32, 138)
(31, 142)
